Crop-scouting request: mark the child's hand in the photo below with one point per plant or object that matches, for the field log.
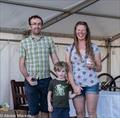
(73, 95)
(50, 108)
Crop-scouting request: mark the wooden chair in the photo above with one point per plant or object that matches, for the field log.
(19, 98)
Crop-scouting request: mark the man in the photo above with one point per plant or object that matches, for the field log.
(35, 67)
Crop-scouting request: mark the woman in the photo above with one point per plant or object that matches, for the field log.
(84, 60)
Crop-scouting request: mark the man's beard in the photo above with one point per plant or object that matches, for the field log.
(37, 32)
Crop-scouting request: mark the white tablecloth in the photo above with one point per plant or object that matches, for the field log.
(108, 105)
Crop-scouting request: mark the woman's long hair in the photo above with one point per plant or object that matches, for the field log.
(89, 49)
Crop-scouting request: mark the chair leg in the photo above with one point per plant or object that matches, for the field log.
(15, 114)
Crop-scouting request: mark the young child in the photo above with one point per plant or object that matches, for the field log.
(58, 92)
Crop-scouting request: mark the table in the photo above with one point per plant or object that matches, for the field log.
(11, 114)
(7, 114)
(108, 105)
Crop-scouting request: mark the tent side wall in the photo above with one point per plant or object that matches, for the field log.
(115, 58)
(9, 61)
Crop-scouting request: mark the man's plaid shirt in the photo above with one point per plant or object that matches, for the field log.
(36, 54)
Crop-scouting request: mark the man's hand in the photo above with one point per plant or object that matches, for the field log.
(31, 81)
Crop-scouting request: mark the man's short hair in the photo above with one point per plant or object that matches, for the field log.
(34, 16)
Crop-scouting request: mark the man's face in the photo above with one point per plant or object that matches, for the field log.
(36, 25)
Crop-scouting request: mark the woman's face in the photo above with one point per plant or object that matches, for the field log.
(81, 32)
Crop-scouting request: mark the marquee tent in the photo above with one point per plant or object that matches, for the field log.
(60, 16)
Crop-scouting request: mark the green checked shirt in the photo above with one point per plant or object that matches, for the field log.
(36, 54)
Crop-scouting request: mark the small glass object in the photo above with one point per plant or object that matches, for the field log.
(34, 81)
(88, 61)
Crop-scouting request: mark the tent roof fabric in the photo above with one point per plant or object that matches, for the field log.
(60, 16)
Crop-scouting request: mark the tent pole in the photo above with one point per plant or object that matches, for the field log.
(108, 46)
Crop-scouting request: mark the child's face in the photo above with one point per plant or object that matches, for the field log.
(61, 73)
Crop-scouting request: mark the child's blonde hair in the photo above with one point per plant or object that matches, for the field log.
(60, 65)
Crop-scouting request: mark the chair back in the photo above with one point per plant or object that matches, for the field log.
(19, 97)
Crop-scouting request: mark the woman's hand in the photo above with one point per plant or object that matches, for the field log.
(77, 89)
(90, 64)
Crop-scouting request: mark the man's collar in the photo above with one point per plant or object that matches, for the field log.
(36, 38)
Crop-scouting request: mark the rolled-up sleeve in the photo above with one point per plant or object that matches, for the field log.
(52, 46)
(22, 50)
